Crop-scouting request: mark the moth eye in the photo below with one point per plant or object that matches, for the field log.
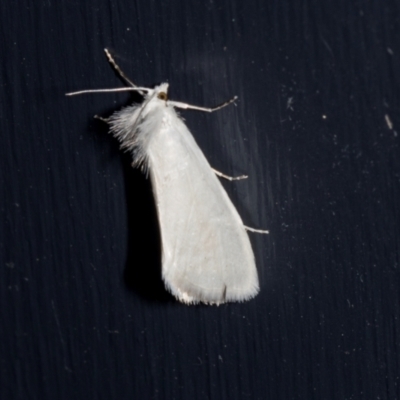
(162, 96)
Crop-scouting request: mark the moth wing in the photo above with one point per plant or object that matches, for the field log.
(206, 252)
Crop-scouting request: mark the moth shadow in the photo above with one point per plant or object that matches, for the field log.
(143, 266)
(142, 273)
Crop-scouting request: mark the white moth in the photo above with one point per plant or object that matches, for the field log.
(206, 252)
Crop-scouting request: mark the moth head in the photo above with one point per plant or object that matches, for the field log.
(162, 91)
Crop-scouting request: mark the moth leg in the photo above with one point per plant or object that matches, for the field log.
(185, 106)
(230, 178)
(117, 68)
(255, 230)
(106, 120)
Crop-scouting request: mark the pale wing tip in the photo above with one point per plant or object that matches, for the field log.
(190, 294)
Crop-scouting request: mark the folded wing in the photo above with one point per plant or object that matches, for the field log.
(207, 256)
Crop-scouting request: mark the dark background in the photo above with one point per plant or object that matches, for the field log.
(83, 311)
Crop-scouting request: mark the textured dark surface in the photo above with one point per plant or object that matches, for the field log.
(83, 311)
